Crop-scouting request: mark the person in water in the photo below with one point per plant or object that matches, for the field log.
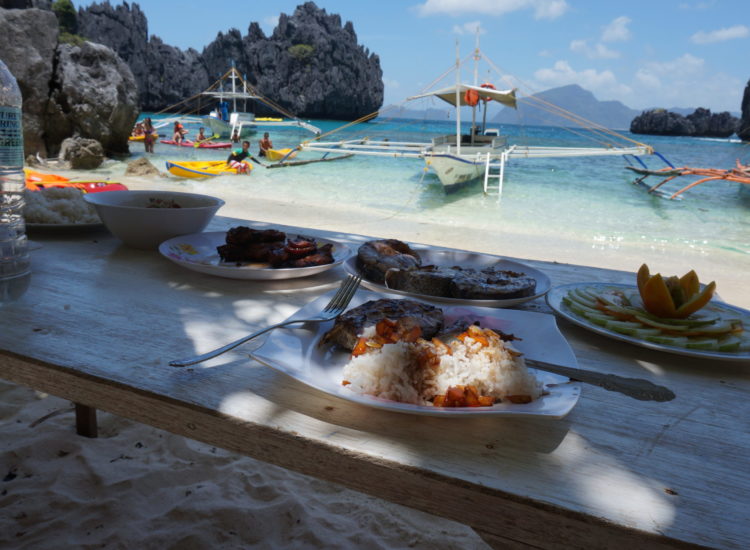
(236, 136)
(148, 136)
(237, 157)
(201, 136)
(179, 132)
(265, 145)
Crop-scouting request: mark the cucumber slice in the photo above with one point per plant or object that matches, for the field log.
(599, 319)
(660, 324)
(730, 343)
(677, 341)
(624, 327)
(577, 295)
(580, 309)
(703, 343)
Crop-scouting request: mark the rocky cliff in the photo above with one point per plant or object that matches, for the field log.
(743, 128)
(68, 90)
(702, 123)
(311, 65)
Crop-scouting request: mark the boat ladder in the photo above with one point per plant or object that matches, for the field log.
(499, 165)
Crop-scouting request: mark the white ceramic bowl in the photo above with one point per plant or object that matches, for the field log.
(129, 217)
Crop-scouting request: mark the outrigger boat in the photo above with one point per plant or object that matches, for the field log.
(460, 158)
(224, 123)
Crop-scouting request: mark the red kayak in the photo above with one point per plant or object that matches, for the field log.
(202, 145)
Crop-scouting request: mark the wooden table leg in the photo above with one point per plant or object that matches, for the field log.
(86, 421)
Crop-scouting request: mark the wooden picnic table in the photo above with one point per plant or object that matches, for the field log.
(101, 321)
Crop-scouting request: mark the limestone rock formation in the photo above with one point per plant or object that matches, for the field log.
(165, 75)
(743, 128)
(28, 42)
(67, 90)
(93, 95)
(311, 65)
(702, 123)
(82, 153)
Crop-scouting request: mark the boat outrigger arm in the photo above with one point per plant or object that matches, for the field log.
(461, 158)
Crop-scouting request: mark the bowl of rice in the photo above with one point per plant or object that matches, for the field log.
(145, 219)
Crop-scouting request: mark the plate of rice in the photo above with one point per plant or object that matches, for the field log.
(59, 208)
(390, 378)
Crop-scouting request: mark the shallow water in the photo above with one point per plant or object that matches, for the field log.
(586, 199)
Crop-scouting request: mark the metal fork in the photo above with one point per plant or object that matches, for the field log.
(333, 309)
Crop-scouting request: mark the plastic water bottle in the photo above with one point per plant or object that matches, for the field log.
(15, 268)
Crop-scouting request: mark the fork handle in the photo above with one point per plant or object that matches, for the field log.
(218, 351)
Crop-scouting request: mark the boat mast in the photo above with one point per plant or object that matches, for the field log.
(234, 88)
(458, 99)
(477, 57)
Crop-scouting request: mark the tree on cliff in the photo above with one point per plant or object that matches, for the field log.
(66, 16)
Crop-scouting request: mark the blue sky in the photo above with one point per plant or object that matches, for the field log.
(666, 53)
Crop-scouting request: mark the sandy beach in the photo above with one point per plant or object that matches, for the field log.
(139, 487)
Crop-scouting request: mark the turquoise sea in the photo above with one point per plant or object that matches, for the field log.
(588, 199)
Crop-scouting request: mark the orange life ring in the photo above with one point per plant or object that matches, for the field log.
(489, 86)
(471, 97)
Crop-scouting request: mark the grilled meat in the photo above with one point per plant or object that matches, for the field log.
(350, 325)
(492, 283)
(375, 258)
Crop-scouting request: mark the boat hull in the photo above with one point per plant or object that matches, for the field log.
(279, 154)
(454, 171)
(223, 129)
(202, 169)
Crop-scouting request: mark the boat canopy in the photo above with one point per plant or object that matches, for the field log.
(506, 97)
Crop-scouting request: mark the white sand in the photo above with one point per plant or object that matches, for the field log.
(138, 487)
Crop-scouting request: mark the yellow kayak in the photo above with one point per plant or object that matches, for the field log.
(142, 137)
(268, 119)
(204, 168)
(278, 154)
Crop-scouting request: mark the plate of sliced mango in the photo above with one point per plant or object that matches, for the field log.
(706, 328)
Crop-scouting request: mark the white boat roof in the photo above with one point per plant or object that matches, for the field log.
(506, 97)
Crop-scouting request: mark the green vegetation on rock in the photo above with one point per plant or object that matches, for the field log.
(301, 52)
(66, 16)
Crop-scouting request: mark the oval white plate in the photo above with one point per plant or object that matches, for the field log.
(198, 253)
(295, 352)
(463, 259)
(554, 300)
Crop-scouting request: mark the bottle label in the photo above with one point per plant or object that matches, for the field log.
(11, 137)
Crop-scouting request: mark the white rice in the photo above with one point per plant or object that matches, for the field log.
(58, 205)
(394, 372)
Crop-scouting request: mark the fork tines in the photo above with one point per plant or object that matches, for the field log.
(344, 294)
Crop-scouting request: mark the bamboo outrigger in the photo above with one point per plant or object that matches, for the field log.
(740, 174)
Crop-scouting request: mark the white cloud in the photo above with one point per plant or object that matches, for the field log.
(602, 83)
(697, 6)
(598, 51)
(720, 35)
(271, 21)
(647, 79)
(685, 65)
(469, 28)
(617, 30)
(543, 9)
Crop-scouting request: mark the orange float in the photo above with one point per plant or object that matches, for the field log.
(471, 97)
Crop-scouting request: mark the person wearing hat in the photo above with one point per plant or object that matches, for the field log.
(237, 157)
